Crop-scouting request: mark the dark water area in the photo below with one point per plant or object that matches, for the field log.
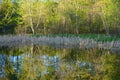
(46, 63)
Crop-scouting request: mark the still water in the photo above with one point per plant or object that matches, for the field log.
(37, 62)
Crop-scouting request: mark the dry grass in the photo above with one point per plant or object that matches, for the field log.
(57, 42)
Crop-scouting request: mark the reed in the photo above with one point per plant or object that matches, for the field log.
(57, 42)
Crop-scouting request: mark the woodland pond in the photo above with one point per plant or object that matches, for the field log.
(59, 39)
(56, 61)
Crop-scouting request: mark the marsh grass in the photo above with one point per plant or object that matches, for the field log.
(96, 37)
(57, 42)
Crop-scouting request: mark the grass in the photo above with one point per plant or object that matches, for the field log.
(101, 37)
(96, 37)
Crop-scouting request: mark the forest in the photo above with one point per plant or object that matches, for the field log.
(59, 16)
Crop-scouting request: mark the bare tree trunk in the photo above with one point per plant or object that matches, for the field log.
(31, 21)
(104, 21)
(90, 22)
(76, 4)
(105, 24)
(44, 30)
(39, 16)
(76, 22)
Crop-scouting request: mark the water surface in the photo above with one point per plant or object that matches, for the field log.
(48, 62)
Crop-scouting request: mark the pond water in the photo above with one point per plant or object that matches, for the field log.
(37, 62)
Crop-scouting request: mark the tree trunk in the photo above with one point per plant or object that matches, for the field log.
(105, 25)
(31, 21)
(90, 22)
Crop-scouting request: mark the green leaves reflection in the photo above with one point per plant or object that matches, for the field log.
(46, 63)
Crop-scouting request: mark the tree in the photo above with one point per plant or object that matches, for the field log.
(10, 17)
(104, 9)
(68, 16)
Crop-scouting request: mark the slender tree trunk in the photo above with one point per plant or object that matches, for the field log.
(105, 24)
(31, 20)
(39, 16)
(90, 22)
(76, 5)
(76, 22)
(44, 30)
(104, 21)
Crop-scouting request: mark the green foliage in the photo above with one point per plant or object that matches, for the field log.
(10, 17)
(61, 17)
(73, 64)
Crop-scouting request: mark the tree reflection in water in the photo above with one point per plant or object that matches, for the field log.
(46, 63)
